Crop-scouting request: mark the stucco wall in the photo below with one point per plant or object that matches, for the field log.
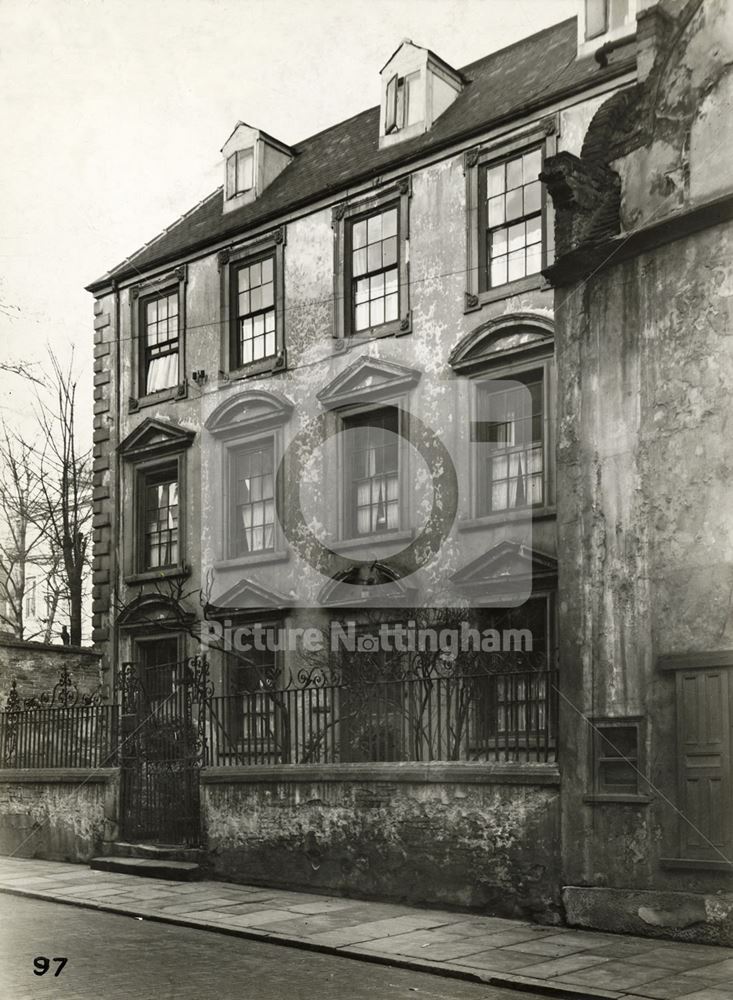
(59, 815)
(404, 833)
(36, 667)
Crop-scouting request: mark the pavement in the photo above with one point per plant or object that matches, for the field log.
(530, 957)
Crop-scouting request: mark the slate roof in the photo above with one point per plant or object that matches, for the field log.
(503, 85)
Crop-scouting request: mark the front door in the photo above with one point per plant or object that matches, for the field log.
(160, 747)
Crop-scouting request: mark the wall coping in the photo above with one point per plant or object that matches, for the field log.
(31, 645)
(450, 772)
(57, 775)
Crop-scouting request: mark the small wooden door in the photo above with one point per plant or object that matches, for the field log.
(704, 747)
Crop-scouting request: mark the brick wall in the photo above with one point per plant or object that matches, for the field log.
(36, 667)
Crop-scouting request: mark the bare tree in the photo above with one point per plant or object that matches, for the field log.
(22, 531)
(63, 471)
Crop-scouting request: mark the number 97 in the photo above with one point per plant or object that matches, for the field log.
(41, 965)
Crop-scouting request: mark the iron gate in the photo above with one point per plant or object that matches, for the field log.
(162, 747)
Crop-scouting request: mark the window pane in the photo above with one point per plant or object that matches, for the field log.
(391, 308)
(532, 195)
(267, 295)
(498, 271)
(514, 173)
(374, 229)
(516, 236)
(374, 256)
(495, 180)
(389, 223)
(414, 99)
(499, 244)
(267, 270)
(358, 234)
(515, 267)
(595, 18)
(359, 262)
(243, 279)
(361, 293)
(362, 317)
(255, 274)
(619, 13)
(377, 313)
(390, 282)
(514, 204)
(496, 211)
(245, 164)
(376, 286)
(389, 251)
(531, 166)
(256, 298)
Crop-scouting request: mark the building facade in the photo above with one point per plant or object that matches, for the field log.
(340, 445)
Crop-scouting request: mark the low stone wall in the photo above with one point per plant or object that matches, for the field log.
(463, 835)
(36, 667)
(57, 814)
(705, 918)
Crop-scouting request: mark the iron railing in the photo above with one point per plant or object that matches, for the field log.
(315, 716)
(59, 728)
(320, 718)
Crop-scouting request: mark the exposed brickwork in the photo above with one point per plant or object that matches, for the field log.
(36, 666)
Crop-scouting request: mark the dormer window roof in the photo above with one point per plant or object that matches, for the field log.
(417, 87)
(252, 161)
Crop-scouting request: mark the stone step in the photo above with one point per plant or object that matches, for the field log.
(176, 871)
(155, 852)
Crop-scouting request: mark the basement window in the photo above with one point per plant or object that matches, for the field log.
(617, 770)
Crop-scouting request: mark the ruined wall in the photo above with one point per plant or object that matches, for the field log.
(57, 815)
(36, 667)
(394, 832)
(645, 529)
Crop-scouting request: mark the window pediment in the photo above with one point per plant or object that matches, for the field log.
(368, 379)
(247, 598)
(518, 331)
(153, 438)
(509, 566)
(373, 585)
(154, 610)
(256, 409)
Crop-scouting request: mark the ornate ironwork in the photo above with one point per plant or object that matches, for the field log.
(64, 694)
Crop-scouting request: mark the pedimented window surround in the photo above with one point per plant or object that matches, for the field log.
(152, 447)
(252, 419)
(508, 347)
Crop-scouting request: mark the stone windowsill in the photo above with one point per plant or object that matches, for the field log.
(255, 559)
(505, 516)
(150, 576)
(531, 283)
(452, 772)
(163, 396)
(366, 541)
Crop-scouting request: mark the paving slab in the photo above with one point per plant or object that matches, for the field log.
(587, 964)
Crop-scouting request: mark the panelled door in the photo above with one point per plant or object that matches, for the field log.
(704, 746)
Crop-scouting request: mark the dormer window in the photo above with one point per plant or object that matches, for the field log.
(417, 87)
(240, 172)
(252, 161)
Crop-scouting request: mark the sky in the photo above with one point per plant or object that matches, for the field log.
(113, 114)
